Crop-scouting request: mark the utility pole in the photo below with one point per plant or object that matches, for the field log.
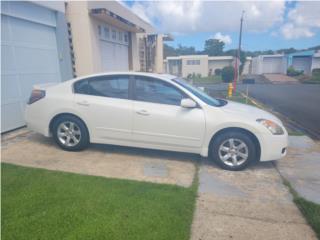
(237, 63)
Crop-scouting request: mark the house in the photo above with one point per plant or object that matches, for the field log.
(35, 50)
(196, 64)
(269, 64)
(315, 60)
(219, 62)
(53, 41)
(107, 36)
(304, 61)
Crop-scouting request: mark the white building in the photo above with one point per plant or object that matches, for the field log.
(196, 64)
(269, 64)
(52, 41)
(108, 36)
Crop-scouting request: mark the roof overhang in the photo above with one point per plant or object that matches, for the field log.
(118, 13)
(167, 37)
(107, 16)
(217, 58)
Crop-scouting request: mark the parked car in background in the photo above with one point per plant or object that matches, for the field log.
(154, 111)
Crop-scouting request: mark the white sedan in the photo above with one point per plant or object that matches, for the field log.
(154, 111)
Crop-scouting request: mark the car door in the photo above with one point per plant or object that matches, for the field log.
(104, 102)
(158, 118)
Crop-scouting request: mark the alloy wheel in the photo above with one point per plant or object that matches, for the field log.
(69, 133)
(233, 152)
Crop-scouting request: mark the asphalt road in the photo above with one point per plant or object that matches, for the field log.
(299, 102)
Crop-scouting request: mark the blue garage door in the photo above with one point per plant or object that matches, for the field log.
(29, 56)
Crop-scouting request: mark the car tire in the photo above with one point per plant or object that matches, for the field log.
(70, 133)
(233, 150)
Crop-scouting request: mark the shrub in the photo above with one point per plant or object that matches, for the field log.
(227, 74)
(292, 72)
(217, 72)
(198, 75)
(316, 72)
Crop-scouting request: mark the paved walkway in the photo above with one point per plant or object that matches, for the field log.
(254, 204)
(301, 167)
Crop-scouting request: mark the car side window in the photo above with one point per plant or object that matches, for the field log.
(156, 91)
(81, 87)
(104, 86)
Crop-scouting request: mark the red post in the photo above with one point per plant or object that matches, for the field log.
(235, 75)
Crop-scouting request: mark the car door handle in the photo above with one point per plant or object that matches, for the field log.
(83, 103)
(143, 112)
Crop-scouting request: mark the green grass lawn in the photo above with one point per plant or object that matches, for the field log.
(42, 204)
(310, 210)
(209, 79)
(236, 97)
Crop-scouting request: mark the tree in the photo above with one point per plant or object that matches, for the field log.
(234, 53)
(180, 50)
(169, 51)
(183, 50)
(227, 74)
(213, 47)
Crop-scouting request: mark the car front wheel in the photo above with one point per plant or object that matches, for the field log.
(233, 150)
(70, 133)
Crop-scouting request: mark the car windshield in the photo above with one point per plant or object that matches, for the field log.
(198, 93)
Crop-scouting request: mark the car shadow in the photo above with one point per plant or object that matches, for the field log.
(146, 153)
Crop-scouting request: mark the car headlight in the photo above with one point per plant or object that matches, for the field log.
(274, 128)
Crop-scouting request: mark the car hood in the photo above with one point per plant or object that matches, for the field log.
(247, 111)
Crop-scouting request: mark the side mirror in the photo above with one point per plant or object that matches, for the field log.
(188, 103)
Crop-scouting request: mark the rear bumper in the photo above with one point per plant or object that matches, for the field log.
(273, 147)
(35, 121)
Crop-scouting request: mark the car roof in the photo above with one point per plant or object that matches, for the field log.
(146, 74)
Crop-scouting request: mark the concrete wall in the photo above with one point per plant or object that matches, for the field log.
(201, 69)
(315, 63)
(247, 68)
(63, 47)
(81, 26)
(159, 55)
(265, 63)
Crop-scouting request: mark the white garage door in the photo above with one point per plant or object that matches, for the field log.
(273, 65)
(29, 56)
(114, 56)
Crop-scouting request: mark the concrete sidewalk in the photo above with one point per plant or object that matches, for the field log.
(251, 204)
(301, 167)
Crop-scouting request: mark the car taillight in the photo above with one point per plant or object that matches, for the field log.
(36, 95)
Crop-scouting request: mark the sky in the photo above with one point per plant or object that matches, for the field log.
(267, 24)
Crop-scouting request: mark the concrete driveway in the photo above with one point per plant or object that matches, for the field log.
(251, 204)
(34, 150)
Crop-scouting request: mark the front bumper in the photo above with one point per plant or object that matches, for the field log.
(273, 147)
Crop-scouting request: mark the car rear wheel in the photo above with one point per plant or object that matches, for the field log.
(70, 133)
(233, 150)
